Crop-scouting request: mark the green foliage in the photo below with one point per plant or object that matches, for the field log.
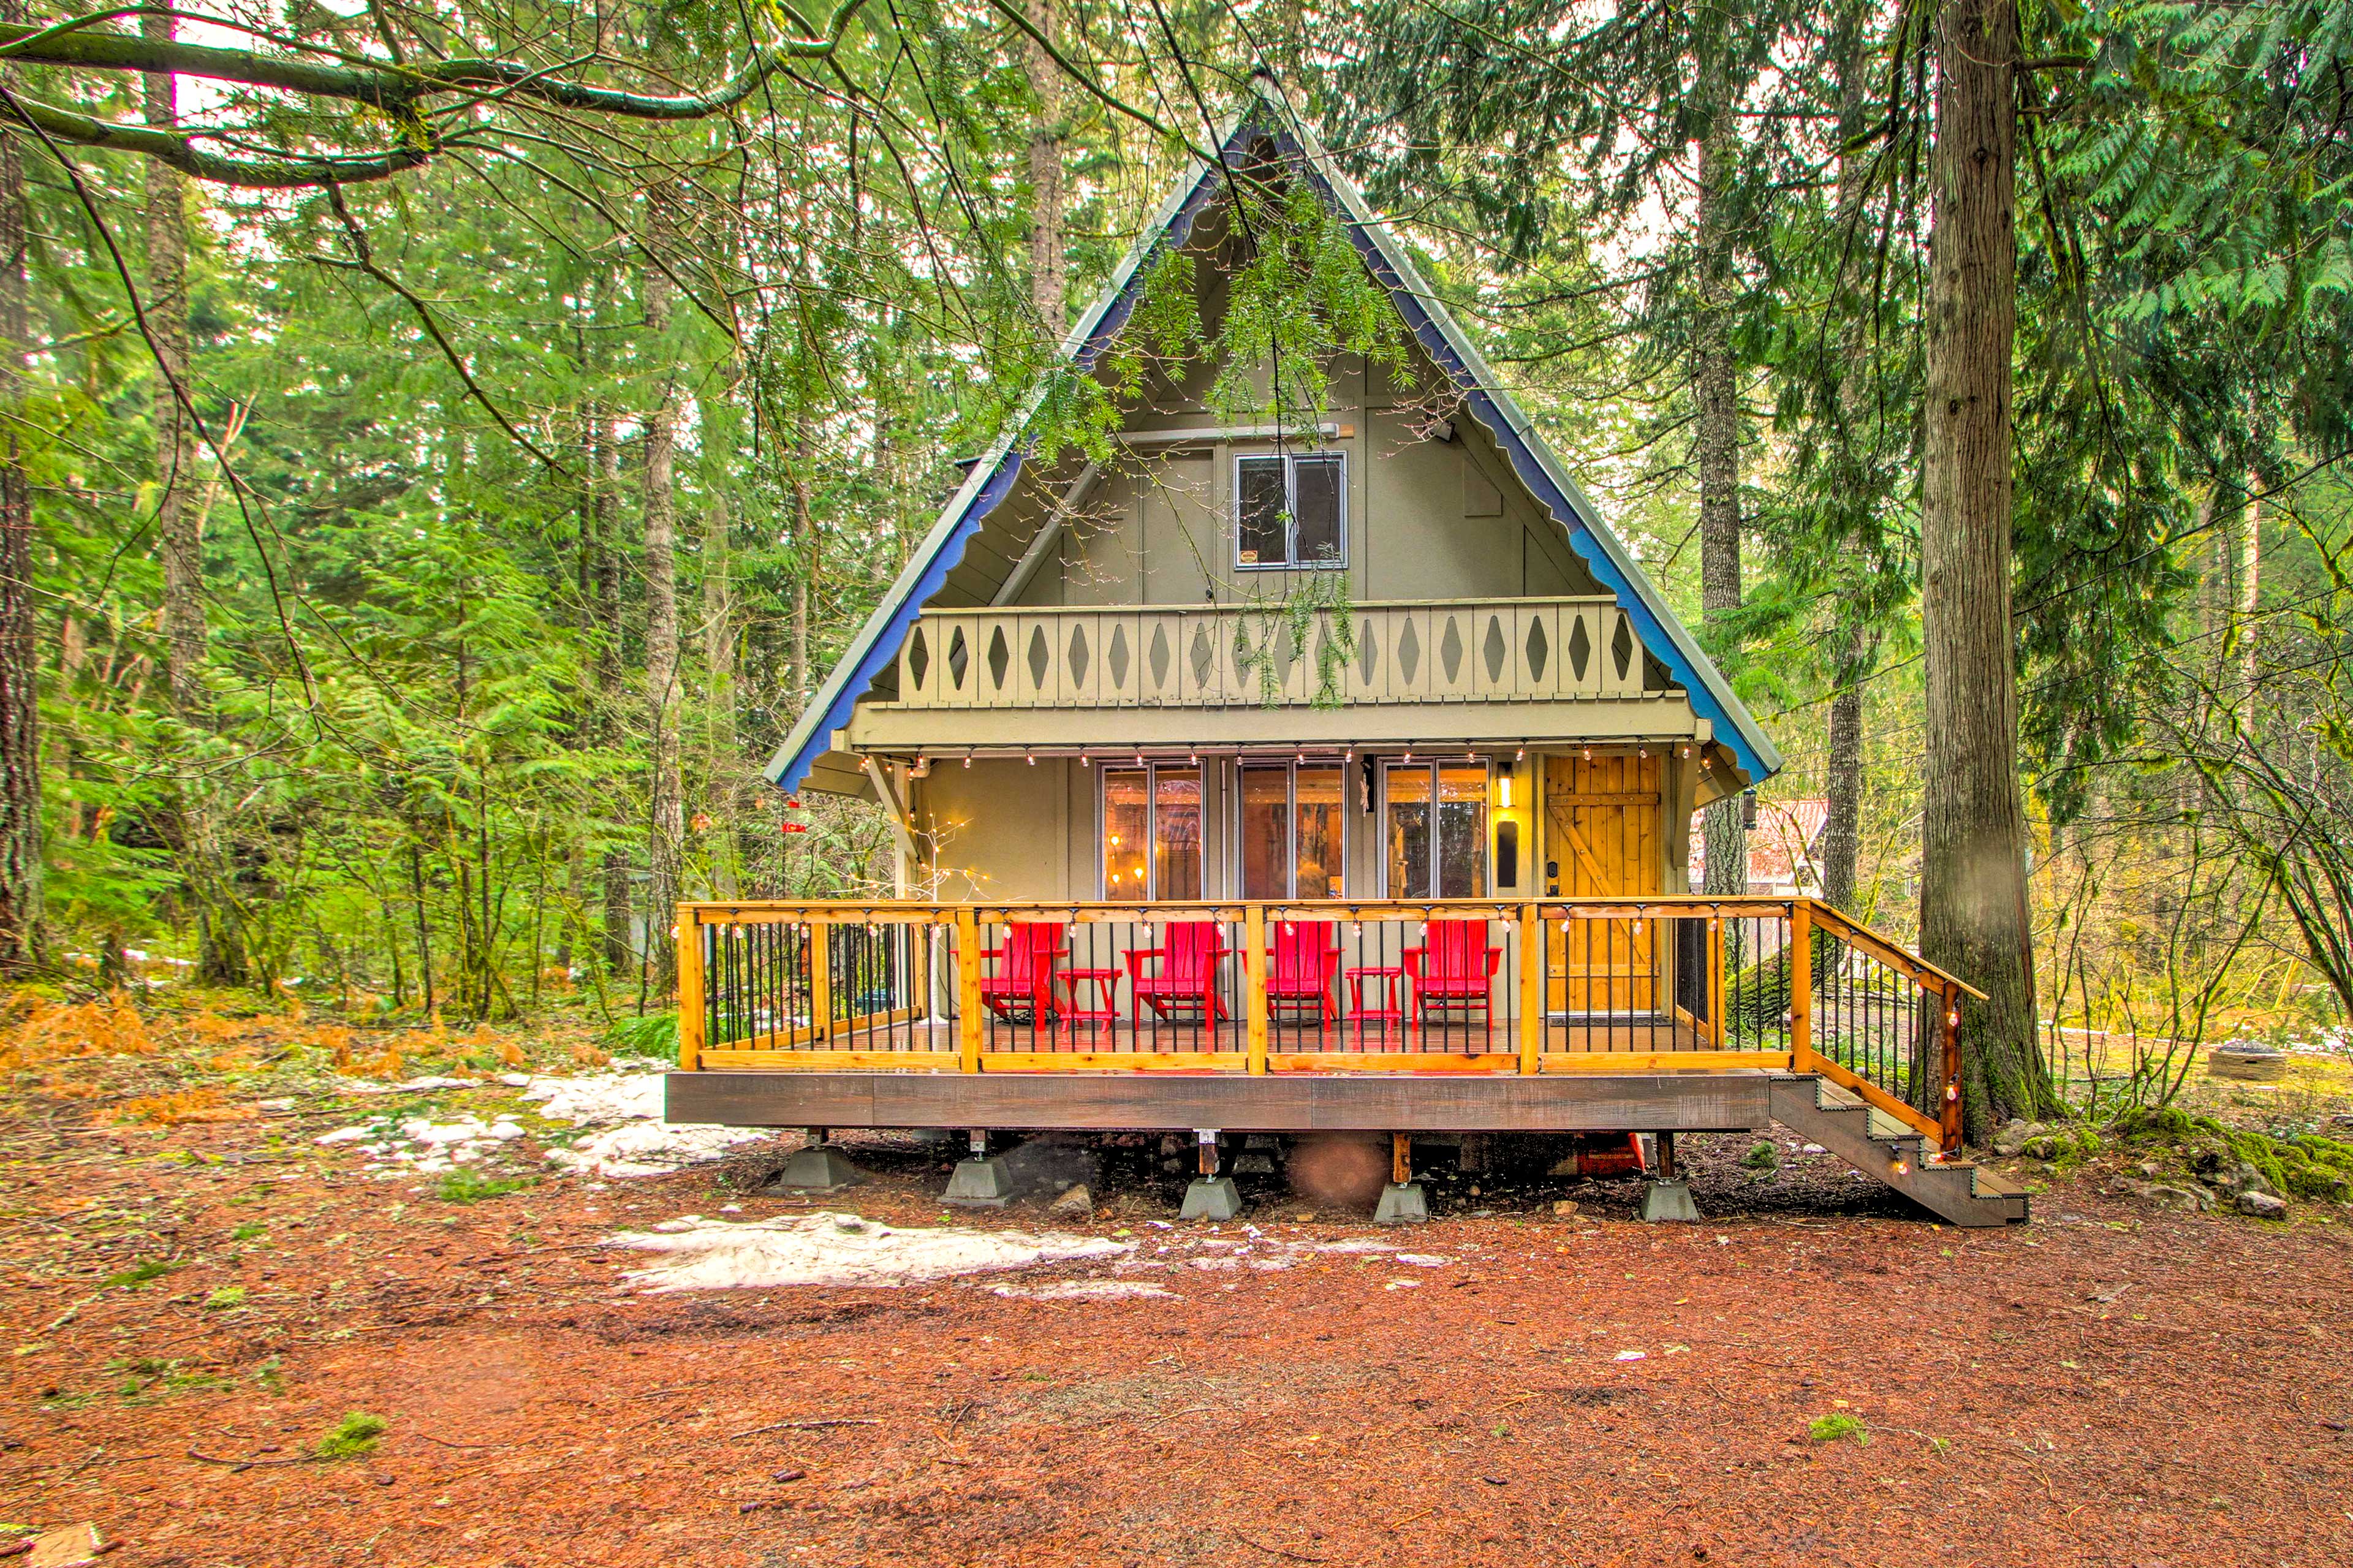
(467, 1186)
(2304, 1165)
(1831, 1428)
(653, 1035)
(355, 1436)
(139, 1274)
(227, 1296)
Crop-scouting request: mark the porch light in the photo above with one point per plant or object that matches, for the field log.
(1504, 789)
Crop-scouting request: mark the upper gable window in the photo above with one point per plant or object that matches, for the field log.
(1289, 510)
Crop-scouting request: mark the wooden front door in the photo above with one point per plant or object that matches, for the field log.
(1601, 841)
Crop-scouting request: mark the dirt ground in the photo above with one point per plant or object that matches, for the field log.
(1816, 1373)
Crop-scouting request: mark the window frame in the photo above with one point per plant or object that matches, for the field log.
(1289, 767)
(1433, 767)
(1291, 460)
(1151, 771)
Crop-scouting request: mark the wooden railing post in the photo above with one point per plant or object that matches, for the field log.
(691, 983)
(968, 1009)
(1801, 986)
(1532, 980)
(1948, 1028)
(1254, 988)
(820, 963)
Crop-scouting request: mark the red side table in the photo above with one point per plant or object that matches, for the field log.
(1105, 1012)
(1392, 1009)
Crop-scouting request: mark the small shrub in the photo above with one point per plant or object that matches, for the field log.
(655, 1035)
(466, 1185)
(1831, 1428)
(354, 1436)
(1763, 1155)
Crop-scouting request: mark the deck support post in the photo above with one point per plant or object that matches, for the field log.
(692, 1023)
(1667, 1197)
(1533, 941)
(1948, 1031)
(1402, 1201)
(1801, 986)
(1255, 990)
(820, 968)
(968, 1009)
(1209, 1196)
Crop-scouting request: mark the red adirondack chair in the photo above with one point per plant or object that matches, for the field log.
(1306, 959)
(1023, 980)
(1454, 968)
(1184, 972)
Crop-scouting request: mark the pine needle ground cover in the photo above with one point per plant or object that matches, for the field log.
(233, 1343)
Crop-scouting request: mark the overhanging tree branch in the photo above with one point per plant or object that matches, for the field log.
(399, 90)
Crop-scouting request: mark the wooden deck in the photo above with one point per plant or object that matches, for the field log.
(1233, 1102)
(877, 1014)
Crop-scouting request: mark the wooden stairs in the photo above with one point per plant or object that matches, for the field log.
(1880, 1147)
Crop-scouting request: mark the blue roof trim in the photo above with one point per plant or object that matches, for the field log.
(1653, 632)
(877, 644)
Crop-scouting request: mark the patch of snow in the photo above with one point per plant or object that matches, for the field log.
(1354, 1244)
(828, 1249)
(626, 1103)
(1631, 1356)
(1085, 1290)
(1423, 1260)
(650, 1148)
(361, 1086)
(597, 1100)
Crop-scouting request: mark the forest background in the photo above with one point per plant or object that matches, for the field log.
(448, 444)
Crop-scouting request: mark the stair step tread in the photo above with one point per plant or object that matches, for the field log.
(1885, 1126)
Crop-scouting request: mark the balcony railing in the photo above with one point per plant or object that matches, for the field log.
(1216, 656)
(1659, 984)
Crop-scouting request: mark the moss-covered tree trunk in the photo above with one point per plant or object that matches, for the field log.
(1973, 897)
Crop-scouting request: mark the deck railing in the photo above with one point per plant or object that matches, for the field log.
(1217, 656)
(1654, 985)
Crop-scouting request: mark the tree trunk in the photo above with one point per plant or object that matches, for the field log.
(1973, 896)
(179, 529)
(666, 838)
(1049, 271)
(619, 955)
(1853, 643)
(1842, 837)
(20, 670)
(812, 563)
(1715, 395)
(719, 735)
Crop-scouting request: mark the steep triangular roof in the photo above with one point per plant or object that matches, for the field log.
(1269, 116)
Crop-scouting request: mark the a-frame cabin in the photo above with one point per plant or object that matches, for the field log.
(1273, 777)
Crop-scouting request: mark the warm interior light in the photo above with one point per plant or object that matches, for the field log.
(1503, 791)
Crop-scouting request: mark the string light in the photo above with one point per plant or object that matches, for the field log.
(1030, 757)
(1085, 761)
(1521, 755)
(967, 759)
